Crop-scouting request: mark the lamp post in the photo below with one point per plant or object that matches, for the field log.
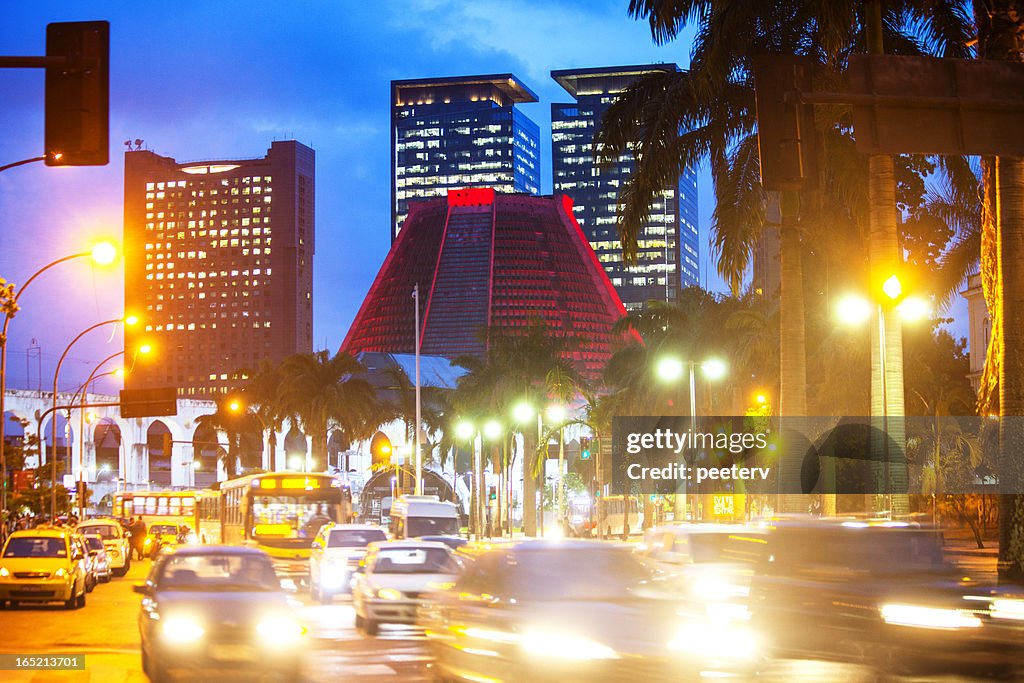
(102, 253)
(81, 427)
(492, 430)
(127, 320)
(853, 309)
(419, 417)
(670, 369)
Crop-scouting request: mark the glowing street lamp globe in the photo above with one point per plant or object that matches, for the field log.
(670, 369)
(104, 253)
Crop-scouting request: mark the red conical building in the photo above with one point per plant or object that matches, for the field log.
(483, 261)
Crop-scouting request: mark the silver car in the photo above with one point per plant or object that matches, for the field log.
(99, 557)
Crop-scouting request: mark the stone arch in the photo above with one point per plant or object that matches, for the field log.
(160, 446)
(207, 452)
(295, 448)
(67, 432)
(107, 442)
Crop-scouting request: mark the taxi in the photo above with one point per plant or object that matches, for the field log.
(43, 565)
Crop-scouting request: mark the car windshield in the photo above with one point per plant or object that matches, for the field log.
(104, 530)
(875, 551)
(354, 538)
(217, 573)
(721, 547)
(36, 546)
(94, 542)
(432, 526)
(159, 529)
(414, 561)
(575, 574)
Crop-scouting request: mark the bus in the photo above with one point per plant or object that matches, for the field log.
(281, 513)
(178, 508)
(622, 515)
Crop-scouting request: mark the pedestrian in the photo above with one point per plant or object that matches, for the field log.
(139, 538)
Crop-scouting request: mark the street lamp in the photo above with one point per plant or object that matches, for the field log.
(128, 321)
(670, 369)
(103, 253)
(238, 407)
(852, 310)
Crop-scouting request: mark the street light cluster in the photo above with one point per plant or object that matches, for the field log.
(102, 253)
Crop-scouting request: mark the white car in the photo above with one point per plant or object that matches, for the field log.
(98, 554)
(115, 541)
(335, 555)
(387, 587)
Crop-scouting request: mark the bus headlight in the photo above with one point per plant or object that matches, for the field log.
(181, 630)
(279, 631)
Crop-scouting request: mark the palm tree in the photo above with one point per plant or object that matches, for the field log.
(1000, 29)
(239, 427)
(530, 366)
(262, 391)
(318, 390)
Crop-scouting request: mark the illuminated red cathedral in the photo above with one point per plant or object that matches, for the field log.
(482, 261)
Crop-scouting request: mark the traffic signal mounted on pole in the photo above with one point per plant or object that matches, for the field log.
(585, 447)
(78, 94)
(380, 451)
(492, 493)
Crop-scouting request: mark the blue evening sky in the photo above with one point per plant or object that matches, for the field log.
(223, 79)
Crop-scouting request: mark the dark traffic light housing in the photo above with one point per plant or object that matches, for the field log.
(585, 448)
(78, 94)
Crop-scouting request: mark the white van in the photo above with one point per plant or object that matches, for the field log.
(115, 542)
(416, 516)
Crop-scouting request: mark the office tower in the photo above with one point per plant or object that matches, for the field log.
(454, 133)
(490, 261)
(667, 257)
(219, 264)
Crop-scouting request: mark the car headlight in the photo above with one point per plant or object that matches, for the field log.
(61, 573)
(928, 617)
(389, 594)
(1003, 608)
(279, 631)
(181, 630)
(555, 645)
(4, 572)
(728, 642)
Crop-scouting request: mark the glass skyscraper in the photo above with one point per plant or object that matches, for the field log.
(667, 257)
(462, 132)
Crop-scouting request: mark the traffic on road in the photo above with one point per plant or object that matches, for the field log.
(786, 599)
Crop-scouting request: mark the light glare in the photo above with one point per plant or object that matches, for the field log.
(104, 253)
(853, 310)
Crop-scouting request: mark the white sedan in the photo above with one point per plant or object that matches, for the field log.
(387, 586)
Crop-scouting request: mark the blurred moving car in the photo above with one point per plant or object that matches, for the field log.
(43, 565)
(453, 542)
(217, 608)
(391, 578)
(335, 555)
(115, 539)
(573, 610)
(98, 554)
(715, 562)
(873, 594)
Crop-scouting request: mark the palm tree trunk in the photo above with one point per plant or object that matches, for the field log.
(1010, 187)
(886, 382)
(529, 482)
(792, 349)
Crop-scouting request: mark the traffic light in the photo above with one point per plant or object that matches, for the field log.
(78, 94)
(584, 448)
(380, 451)
(168, 444)
(492, 493)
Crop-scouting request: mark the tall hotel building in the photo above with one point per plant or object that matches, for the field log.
(219, 263)
(667, 257)
(457, 133)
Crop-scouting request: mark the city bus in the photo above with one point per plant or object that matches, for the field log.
(177, 508)
(281, 513)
